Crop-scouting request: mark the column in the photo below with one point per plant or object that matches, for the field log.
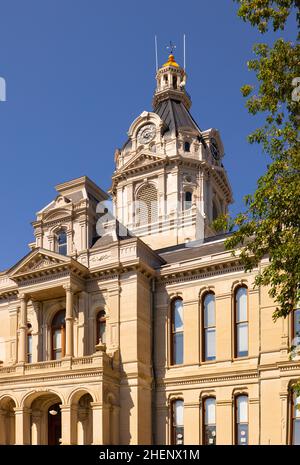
(68, 424)
(115, 436)
(36, 427)
(23, 329)
(22, 425)
(37, 336)
(2, 427)
(284, 398)
(97, 412)
(82, 328)
(69, 322)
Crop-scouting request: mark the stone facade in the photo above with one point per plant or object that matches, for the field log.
(112, 369)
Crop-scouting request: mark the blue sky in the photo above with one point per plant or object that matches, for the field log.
(79, 71)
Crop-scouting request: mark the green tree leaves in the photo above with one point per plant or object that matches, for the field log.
(270, 225)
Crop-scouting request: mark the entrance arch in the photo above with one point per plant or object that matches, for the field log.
(82, 416)
(45, 418)
(7, 421)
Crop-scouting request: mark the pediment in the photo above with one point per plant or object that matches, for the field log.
(141, 160)
(56, 214)
(38, 260)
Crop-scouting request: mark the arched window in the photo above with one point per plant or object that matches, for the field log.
(177, 332)
(187, 147)
(29, 343)
(241, 420)
(209, 421)
(187, 200)
(241, 322)
(177, 430)
(147, 205)
(101, 327)
(61, 242)
(58, 335)
(295, 419)
(209, 327)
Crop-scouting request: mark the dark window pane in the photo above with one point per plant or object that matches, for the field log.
(59, 319)
(62, 249)
(179, 435)
(178, 348)
(187, 146)
(243, 434)
(210, 435)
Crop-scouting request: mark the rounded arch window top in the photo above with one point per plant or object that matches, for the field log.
(59, 318)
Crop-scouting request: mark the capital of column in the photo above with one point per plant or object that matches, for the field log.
(97, 405)
(23, 297)
(68, 288)
(68, 408)
(21, 410)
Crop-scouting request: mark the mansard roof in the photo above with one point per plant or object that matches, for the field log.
(194, 249)
(176, 116)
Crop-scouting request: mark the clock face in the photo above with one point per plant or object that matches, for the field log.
(146, 133)
(214, 149)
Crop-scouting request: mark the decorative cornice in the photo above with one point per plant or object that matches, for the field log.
(251, 375)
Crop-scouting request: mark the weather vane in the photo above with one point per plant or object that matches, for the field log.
(171, 47)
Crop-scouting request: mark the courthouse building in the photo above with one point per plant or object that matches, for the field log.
(143, 329)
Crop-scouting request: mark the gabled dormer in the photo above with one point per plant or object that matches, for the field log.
(67, 225)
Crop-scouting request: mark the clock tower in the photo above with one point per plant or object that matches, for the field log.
(170, 182)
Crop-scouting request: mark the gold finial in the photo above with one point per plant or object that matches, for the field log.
(171, 60)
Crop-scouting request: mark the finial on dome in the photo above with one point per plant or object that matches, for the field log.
(171, 60)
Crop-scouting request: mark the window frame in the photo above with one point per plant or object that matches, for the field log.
(64, 244)
(204, 329)
(173, 424)
(204, 425)
(237, 323)
(174, 333)
(63, 336)
(236, 423)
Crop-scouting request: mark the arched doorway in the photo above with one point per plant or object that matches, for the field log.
(45, 418)
(82, 417)
(7, 421)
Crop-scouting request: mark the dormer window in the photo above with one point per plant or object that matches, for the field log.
(61, 242)
(187, 147)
